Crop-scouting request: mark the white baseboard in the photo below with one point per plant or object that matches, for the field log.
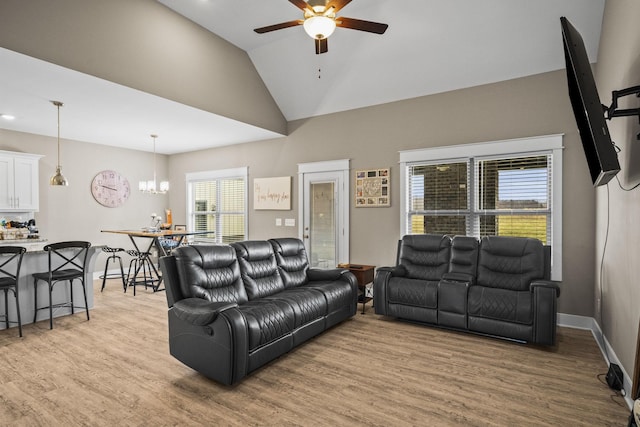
(589, 323)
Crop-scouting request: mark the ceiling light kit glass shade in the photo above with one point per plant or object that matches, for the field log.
(58, 178)
(151, 185)
(319, 27)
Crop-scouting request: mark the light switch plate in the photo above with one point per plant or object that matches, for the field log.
(289, 222)
(278, 222)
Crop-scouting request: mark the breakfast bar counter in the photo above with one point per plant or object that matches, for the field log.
(35, 260)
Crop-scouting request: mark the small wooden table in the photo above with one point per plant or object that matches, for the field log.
(153, 239)
(364, 274)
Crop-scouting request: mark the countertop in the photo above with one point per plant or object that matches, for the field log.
(32, 245)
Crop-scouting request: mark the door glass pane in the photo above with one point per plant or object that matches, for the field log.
(322, 227)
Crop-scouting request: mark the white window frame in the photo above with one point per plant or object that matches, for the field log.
(505, 148)
(192, 177)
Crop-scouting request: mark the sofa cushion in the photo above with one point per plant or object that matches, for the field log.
(210, 272)
(258, 268)
(292, 261)
(267, 320)
(500, 304)
(510, 262)
(418, 293)
(307, 304)
(337, 293)
(425, 256)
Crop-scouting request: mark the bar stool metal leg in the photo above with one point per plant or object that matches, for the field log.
(112, 258)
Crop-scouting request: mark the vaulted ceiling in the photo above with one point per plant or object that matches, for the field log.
(430, 47)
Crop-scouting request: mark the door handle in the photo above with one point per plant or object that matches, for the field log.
(306, 236)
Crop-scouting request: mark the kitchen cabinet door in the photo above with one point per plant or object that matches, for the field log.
(25, 183)
(6, 182)
(19, 190)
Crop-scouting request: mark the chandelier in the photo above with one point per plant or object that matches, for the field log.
(151, 186)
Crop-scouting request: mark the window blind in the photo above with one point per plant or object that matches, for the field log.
(439, 198)
(509, 196)
(514, 197)
(219, 204)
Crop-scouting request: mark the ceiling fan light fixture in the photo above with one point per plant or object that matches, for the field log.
(319, 27)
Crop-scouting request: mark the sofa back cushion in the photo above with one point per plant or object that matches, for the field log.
(209, 272)
(510, 262)
(291, 257)
(464, 255)
(425, 256)
(258, 268)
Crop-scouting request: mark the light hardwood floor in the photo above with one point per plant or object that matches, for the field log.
(116, 370)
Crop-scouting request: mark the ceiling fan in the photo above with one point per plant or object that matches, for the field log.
(320, 21)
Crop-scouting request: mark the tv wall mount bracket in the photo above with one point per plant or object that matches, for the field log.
(613, 110)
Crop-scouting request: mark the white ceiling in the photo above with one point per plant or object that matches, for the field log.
(431, 46)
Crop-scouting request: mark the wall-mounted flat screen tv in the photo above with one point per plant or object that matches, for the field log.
(601, 154)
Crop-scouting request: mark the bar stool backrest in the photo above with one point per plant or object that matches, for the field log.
(67, 256)
(10, 265)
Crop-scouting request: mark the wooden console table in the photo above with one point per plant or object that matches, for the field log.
(364, 274)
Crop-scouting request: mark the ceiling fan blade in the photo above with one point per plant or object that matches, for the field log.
(301, 4)
(359, 24)
(337, 4)
(321, 46)
(278, 26)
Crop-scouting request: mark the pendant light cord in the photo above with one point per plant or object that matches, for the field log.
(155, 181)
(58, 104)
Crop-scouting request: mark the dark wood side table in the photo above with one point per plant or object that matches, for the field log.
(364, 274)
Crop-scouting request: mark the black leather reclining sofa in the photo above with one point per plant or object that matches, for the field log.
(497, 286)
(234, 308)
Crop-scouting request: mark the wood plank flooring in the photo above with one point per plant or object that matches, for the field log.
(116, 370)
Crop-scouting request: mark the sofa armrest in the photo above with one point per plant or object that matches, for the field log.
(380, 286)
(397, 271)
(200, 312)
(316, 274)
(171, 279)
(459, 277)
(545, 310)
(547, 284)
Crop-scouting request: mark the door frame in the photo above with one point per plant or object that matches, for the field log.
(341, 168)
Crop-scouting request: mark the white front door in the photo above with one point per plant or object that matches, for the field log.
(324, 212)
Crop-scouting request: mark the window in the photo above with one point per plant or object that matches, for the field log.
(217, 202)
(505, 188)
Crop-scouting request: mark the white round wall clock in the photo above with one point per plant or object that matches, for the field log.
(110, 188)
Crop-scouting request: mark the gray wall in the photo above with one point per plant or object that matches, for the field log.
(371, 138)
(618, 68)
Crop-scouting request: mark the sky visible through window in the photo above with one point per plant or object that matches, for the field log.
(523, 184)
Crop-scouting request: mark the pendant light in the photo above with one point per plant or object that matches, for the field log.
(151, 185)
(58, 178)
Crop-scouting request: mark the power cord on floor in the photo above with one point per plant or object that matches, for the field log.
(617, 393)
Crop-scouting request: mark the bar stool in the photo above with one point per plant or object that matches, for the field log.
(141, 261)
(10, 262)
(67, 262)
(112, 258)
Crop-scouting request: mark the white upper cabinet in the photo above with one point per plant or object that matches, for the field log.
(19, 181)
